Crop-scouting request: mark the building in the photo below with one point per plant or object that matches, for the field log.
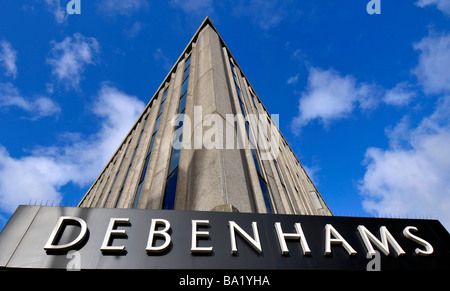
(205, 145)
(223, 153)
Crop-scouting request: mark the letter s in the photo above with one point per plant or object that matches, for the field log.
(428, 247)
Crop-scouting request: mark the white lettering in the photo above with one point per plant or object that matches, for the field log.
(330, 230)
(58, 230)
(196, 233)
(298, 235)
(161, 233)
(110, 232)
(428, 247)
(254, 242)
(386, 238)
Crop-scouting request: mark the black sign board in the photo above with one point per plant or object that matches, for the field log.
(38, 237)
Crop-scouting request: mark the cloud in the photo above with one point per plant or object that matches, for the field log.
(40, 175)
(412, 177)
(198, 7)
(265, 14)
(58, 10)
(39, 107)
(434, 60)
(292, 80)
(400, 95)
(443, 5)
(70, 57)
(8, 57)
(113, 8)
(330, 96)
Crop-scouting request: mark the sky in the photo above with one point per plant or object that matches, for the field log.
(363, 99)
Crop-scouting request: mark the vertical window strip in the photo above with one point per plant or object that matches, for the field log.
(172, 177)
(131, 163)
(262, 181)
(118, 171)
(149, 153)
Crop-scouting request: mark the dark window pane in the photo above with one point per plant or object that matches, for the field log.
(174, 159)
(157, 124)
(188, 63)
(265, 195)
(152, 142)
(185, 85)
(182, 105)
(171, 188)
(186, 75)
(255, 159)
(138, 195)
(161, 107)
(242, 108)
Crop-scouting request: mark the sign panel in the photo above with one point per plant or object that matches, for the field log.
(102, 238)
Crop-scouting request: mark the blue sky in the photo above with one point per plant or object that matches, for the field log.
(363, 99)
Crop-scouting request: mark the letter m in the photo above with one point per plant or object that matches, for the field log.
(383, 245)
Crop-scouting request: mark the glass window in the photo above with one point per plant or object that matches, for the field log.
(182, 103)
(171, 188)
(175, 158)
(188, 63)
(138, 195)
(255, 159)
(315, 199)
(265, 192)
(185, 85)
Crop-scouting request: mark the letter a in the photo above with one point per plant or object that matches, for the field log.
(374, 6)
(74, 7)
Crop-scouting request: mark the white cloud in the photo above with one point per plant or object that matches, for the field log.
(434, 60)
(70, 57)
(39, 107)
(330, 96)
(8, 57)
(443, 5)
(58, 10)
(199, 7)
(412, 177)
(265, 14)
(113, 8)
(292, 80)
(41, 175)
(400, 95)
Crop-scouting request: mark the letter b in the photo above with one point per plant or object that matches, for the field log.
(374, 6)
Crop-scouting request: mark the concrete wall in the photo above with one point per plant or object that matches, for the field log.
(218, 179)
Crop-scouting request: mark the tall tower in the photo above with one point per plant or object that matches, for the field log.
(206, 142)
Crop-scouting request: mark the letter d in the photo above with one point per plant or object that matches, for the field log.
(74, 7)
(374, 6)
(58, 230)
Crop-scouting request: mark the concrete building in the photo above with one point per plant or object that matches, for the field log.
(232, 156)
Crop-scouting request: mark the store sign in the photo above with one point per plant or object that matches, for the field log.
(94, 238)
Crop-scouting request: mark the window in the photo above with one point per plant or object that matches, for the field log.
(262, 181)
(118, 171)
(149, 152)
(131, 163)
(171, 188)
(172, 177)
(265, 192)
(315, 199)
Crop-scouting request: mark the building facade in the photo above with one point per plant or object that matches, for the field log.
(206, 142)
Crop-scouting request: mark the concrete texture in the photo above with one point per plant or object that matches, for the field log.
(215, 179)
